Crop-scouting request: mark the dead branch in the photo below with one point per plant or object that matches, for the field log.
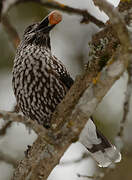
(8, 124)
(15, 117)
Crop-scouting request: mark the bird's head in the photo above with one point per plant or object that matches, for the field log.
(38, 33)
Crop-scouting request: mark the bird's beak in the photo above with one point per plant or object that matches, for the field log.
(49, 22)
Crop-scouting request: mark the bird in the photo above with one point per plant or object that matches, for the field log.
(40, 82)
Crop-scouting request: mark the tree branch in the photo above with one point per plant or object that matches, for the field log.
(72, 114)
(15, 117)
(11, 31)
(117, 22)
(8, 124)
(87, 17)
(123, 35)
(4, 128)
(43, 155)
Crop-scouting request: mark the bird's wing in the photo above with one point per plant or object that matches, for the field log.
(67, 80)
(63, 74)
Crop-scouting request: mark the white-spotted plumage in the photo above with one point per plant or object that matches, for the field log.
(40, 82)
(37, 81)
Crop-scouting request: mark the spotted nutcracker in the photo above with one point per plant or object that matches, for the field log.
(40, 82)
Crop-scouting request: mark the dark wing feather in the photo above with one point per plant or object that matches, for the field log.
(62, 72)
(67, 80)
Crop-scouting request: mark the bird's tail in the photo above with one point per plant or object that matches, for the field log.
(98, 146)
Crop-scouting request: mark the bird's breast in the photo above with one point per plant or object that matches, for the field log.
(37, 89)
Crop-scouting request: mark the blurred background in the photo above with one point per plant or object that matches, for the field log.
(69, 41)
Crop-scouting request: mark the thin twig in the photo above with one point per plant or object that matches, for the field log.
(87, 17)
(14, 117)
(98, 176)
(117, 22)
(8, 124)
(4, 128)
(11, 31)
